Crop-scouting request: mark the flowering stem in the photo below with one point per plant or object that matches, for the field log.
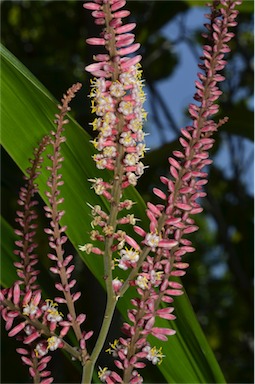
(90, 363)
(55, 212)
(112, 221)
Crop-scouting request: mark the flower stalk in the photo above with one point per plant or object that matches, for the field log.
(151, 265)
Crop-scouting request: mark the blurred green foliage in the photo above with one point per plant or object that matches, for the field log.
(49, 38)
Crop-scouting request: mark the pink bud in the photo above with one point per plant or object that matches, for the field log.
(37, 298)
(183, 206)
(16, 294)
(131, 49)
(31, 338)
(26, 361)
(95, 41)
(22, 351)
(132, 242)
(125, 28)
(17, 329)
(130, 62)
(76, 296)
(167, 243)
(174, 292)
(81, 318)
(119, 4)
(121, 14)
(118, 364)
(139, 231)
(47, 381)
(92, 6)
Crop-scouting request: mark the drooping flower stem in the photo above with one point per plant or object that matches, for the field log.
(56, 231)
(26, 219)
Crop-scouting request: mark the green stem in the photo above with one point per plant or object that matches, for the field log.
(90, 363)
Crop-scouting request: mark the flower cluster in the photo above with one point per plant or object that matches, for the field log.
(38, 324)
(151, 266)
(170, 222)
(26, 218)
(63, 267)
(117, 99)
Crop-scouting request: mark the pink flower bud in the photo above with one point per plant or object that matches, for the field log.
(132, 242)
(17, 329)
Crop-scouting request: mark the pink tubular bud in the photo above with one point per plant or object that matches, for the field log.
(131, 49)
(31, 338)
(159, 193)
(98, 14)
(88, 335)
(64, 331)
(26, 361)
(17, 329)
(139, 231)
(132, 242)
(167, 243)
(37, 298)
(92, 6)
(161, 333)
(116, 377)
(118, 364)
(47, 381)
(81, 318)
(97, 251)
(178, 273)
(22, 351)
(119, 4)
(120, 14)
(94, 67)
(183, 207)
(76, 296)
(130, 62)
(125, 28)
(16, 294)
(95, 41)
(153, 209)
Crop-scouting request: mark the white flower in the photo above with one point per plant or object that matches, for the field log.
(131, 159)
(53, 315)
(126, 107)
(109, 152)
(132, 178)
(103, 374)
(142, 282)
(98, 185)
(86, 248)
(154, 355)
(127, 140)
(41, 349)
(53, 343)
(30, 309)
(152, 240)
(117, 89)
(129, 257)
(140, 168)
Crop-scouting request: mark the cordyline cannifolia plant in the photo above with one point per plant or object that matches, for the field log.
(151, 266)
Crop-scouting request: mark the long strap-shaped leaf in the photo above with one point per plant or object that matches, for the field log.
(27, 113)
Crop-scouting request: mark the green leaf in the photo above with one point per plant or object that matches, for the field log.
(27, 113)
(8, 275)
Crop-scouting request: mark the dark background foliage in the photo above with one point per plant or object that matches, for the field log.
(49, 38)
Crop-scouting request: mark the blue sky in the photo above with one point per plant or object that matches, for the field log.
(178, 91)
